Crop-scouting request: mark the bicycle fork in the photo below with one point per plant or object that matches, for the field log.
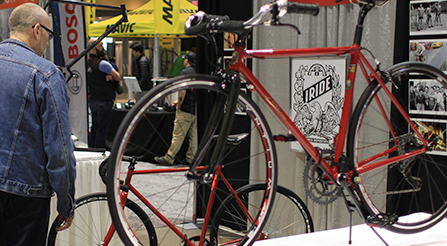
(223, 112)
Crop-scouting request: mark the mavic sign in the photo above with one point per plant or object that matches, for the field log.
(163, 17)
(167, 10)
(170, 15)
(123, 28)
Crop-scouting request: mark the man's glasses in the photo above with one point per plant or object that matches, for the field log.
(50, 33)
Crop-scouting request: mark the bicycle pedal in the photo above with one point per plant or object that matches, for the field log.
(284, 138)
(382, 220)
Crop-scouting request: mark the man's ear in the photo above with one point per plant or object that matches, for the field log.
(36, 31)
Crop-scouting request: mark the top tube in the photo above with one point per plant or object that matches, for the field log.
(300, 52)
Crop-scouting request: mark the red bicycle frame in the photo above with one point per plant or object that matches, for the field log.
(218, 176)
(357, 60)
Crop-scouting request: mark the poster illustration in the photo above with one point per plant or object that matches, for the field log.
(317, 94)
(434, 131)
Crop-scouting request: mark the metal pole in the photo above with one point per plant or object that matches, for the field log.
(156, 57)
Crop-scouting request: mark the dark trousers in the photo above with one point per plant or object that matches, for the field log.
(101, 119)
(23, 220)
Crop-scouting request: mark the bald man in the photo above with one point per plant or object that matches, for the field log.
(36, 151)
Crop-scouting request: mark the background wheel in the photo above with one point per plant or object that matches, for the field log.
(289, 215)
(92, 222)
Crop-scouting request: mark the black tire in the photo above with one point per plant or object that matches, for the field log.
(410, 190)
(92, 222)
(167, 187)
(289, 215)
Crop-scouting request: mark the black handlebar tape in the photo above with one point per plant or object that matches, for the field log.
(302, 8)
(194, 30)
(232, 26)
(220, 26)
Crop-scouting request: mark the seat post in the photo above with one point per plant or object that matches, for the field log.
(364, 9)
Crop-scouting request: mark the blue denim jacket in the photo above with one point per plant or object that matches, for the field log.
(36, 151)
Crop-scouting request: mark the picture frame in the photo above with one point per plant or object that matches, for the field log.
(428, 17)
(429, 51)
(433, 129)
(426, 96)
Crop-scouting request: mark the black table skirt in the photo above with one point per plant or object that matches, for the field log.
(154, 142)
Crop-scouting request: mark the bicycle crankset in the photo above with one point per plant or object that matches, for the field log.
(318, 186)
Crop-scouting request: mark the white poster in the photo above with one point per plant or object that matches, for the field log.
(71, 23)
(317, 94)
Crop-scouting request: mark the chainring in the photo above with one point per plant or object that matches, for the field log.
(318, 186)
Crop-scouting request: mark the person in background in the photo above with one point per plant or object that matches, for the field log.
(36, 151)
(185, 120)
(141, 68)
(118, 88)
(100, 77)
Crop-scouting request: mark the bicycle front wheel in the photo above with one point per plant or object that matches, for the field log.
(289, 215)
(175, 203)
(92, 223)
(402, 174)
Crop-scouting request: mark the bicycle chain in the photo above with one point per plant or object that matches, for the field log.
(403, 166)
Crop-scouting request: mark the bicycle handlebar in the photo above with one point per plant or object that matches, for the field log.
(202, 22)
(302, 8)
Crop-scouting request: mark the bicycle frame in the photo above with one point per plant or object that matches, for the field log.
(219, 176)
(358, 60)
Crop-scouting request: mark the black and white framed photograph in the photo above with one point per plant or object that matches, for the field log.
(317, 94)
(428, 17)
(433, 130)
(429, 51)
(426, 97)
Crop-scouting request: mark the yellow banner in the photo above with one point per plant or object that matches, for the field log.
(163, 17)
(167, 14)
(89, 14)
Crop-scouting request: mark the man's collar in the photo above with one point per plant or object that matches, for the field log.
(93, 55)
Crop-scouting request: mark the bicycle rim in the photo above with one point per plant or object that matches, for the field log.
(92, 222)
(408, 195)
(289, 215)
(182, 201)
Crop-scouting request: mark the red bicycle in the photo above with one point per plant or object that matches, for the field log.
(383, 161)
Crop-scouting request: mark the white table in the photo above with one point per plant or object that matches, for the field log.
(362, 235)
(87, 176)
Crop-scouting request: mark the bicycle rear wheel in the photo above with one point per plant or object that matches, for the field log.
(289, 215)
(409, 194)
(180, 200)
(92, 222)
